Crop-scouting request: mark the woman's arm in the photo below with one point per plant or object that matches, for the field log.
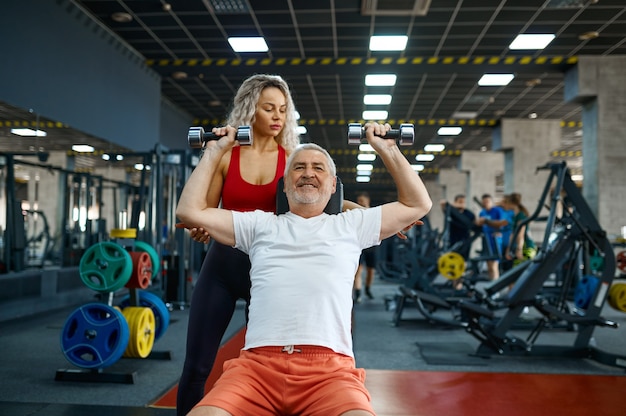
(193, 206)
(348, 205)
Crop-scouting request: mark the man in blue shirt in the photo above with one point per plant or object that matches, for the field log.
(496, 230)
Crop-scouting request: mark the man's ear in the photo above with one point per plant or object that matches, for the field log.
(334, 185)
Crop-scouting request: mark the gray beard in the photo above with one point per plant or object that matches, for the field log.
(306, 198)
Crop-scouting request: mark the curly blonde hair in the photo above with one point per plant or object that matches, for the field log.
(245, 102)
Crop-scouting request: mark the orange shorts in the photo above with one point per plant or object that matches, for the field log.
(310, 381)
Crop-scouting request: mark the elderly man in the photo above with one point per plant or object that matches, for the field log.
(298, 356)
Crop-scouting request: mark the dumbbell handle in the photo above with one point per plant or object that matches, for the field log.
(405, 134)
(196, 136)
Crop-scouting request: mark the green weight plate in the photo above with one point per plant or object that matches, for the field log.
(105, 267)
(154, 256)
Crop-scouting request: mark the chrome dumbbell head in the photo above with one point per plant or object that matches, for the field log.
(197, 136)
(355, 133)
(405, 135)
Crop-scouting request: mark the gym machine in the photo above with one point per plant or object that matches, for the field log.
(429, 296)
(572, 234)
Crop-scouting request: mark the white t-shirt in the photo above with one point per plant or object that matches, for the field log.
(301, 296)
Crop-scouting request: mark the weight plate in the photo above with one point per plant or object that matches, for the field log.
(142, 328)
(152, 301)
(451, 265)
(620, 259)
(94, 336)
(585, 290)
(617, 296)
(105, 267)
(142, 270)
(154, 256)
(123, 233)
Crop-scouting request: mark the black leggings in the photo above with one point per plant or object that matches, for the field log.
(224, 278)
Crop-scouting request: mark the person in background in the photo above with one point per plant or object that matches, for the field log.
(458, 231)
(367, 260)
(521, 247)
(493, 218)
(298, 356)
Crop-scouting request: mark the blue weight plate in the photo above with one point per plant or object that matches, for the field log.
(94, 336)
(585, 290)
(152, 301)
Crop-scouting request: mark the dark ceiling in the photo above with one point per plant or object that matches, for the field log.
(321, 48)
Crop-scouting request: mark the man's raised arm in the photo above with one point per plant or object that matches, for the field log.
(192, 208)
(413, 199)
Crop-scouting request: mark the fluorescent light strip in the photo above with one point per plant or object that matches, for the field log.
(495, 80)
(424, 157)
(449, 131)
(434, 147)
(248, 44)
(375, 115)
(82, 148)
(531, 41)
(377, 99)
(364, 166)
(388, 43)
(29, 132)
(366, 157)
(362, 178)
(380, 80)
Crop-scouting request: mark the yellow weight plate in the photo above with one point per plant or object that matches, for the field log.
(451, 265)
(617, 296)
(123, 233)
(142, 326)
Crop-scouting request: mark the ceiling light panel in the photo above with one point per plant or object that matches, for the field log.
(366, 157)
(376, 99)
(495, 80)
(449, 131)
(375, 115)
(382, 80)
(531, 41)
(388, 43)
(248, 44)
(434, 147)
(424, 157)
(29, 132)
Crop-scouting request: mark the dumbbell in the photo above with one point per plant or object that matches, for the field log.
(197, 136)
(405, 134)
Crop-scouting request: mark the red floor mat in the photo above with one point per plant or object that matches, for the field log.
(434, 393)
(430, 393)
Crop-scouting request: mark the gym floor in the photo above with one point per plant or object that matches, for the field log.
(416, 368)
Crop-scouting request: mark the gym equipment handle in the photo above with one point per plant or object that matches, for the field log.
(196, 136)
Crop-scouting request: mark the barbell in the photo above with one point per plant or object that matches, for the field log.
(196, 136)
(405, 134)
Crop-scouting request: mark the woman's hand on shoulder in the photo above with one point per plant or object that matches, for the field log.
(199, 235)
(402, 234)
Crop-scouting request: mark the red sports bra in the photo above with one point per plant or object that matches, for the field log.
(239, 195)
